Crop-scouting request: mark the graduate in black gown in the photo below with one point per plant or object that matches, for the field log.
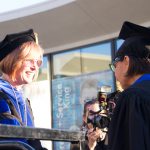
(130, 124)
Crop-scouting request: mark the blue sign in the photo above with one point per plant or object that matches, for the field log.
(69, 95)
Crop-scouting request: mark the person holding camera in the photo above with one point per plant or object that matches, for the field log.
(129, 128)
(95, 135)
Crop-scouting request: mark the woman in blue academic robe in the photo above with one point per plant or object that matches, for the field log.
(20, 60)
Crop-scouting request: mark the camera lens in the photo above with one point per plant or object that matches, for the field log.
(101, 121)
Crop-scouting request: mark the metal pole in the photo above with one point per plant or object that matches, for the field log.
(9, 131)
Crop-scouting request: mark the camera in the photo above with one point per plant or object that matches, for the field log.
(107, 103)
(101, 121)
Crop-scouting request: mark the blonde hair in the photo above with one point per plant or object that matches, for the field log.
(13, 61)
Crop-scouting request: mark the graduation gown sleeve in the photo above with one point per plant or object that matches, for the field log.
(130, 125)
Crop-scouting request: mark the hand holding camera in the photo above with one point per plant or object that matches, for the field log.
(97, 116)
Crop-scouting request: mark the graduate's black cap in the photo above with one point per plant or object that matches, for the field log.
(12, 41)
(137, 41)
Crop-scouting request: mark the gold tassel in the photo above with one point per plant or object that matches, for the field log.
(36, 38)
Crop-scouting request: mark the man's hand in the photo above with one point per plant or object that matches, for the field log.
(93, 136)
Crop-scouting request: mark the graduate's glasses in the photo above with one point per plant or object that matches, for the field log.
(31, 62)
(113, 64)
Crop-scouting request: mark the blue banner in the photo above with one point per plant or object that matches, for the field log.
(69, 95)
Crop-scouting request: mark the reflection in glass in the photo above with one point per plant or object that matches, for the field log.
(66, 64)
(118, 43)
(96, 58)
(76, 77)
(85, 60)
(43, 71)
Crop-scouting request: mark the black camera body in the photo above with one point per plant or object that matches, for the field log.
(101, 122)
(107, 103)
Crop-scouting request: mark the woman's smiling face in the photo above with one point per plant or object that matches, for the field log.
(29, 68)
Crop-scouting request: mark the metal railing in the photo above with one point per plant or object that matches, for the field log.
(9, 131)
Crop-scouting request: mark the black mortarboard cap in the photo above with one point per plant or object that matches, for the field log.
(137, 40)
(12, 41)
(133, 30)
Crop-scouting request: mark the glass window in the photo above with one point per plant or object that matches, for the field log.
(85, 60)
(77, 76)
(119, 42)
(43, 71)
(96, 58)
(69, 95)
(66, 64)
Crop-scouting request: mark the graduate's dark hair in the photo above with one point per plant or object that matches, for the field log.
(136, 46)
(137, 63)
(138, 66)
